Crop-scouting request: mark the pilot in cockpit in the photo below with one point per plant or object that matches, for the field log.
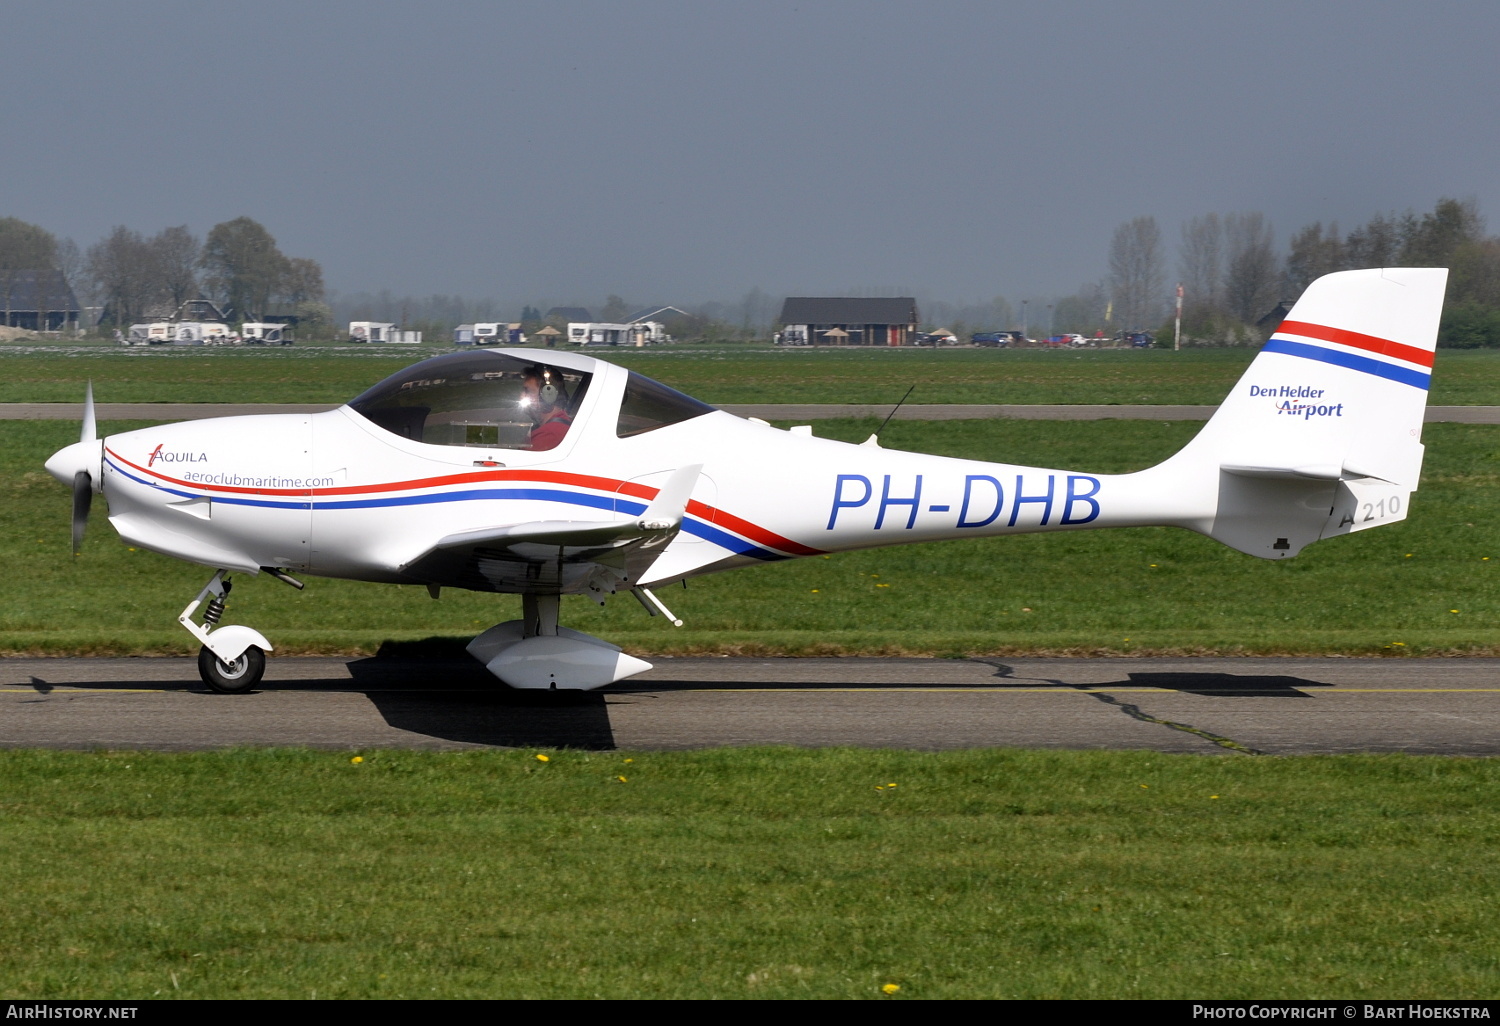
(546, 402)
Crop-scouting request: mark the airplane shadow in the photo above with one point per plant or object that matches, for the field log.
(434, 687)
(1210, 685)
(1224, 685)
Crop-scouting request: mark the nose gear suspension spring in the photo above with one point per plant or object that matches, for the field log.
(216, 605)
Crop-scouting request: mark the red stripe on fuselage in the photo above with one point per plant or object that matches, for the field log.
(1369, 343)
(701, 510)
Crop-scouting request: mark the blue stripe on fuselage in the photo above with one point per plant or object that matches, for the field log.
(605, 502)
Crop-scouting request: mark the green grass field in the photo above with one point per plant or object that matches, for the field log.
(715, 374)
(747, 874)
(1425, 586)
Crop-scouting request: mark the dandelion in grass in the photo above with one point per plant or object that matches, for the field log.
(542, 758)
(890, 988)
(622, 780)
(357, 759)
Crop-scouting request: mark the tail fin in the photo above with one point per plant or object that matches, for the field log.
(1323, 434)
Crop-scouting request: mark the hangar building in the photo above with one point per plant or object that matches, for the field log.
(809, 320)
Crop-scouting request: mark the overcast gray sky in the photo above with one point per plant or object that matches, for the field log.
(683, 151)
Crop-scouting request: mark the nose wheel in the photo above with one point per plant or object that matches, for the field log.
(233, 658)
(234, 677)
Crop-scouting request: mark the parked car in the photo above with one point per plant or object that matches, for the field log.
(1000, 338)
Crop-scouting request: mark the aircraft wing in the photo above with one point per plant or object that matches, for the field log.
(566, 556)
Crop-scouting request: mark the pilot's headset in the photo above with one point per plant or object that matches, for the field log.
(549, 385)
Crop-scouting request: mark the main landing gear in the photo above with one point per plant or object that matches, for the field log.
(233, 658)
(534, 652)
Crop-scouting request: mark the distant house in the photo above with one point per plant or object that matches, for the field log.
(37, 301)
(164, 311)
(192, 310)
(807, 320)
(1272, 320)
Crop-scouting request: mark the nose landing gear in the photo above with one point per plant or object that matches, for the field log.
(233, 658)
(234, 678)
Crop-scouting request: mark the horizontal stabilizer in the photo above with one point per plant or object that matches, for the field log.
(1303, 472)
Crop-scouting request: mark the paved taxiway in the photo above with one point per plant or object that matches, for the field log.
(1214, 706)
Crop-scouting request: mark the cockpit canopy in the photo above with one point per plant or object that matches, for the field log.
(482, 399)
(475, 399)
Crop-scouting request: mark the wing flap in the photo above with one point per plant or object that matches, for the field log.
(563, 556)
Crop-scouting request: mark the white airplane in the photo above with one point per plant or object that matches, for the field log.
(546, 474)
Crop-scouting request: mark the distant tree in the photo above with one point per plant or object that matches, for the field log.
(243, 268)
(70, 263)
(1314, 252)
(997, 314)
(1201, 265)
(757, 312)
(1251, 276)
(1474, 274)
(174, 255)
(1083, 312)
(23, 247)
(615, 311)
(1136, 278)
(1469, 326)
(301, 282)
(26, 247)
(1434, 238)
(1376, 243)
(118, 268)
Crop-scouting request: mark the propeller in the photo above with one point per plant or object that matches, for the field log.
(83, 497)
(83, 481)
(76, 465)
(89, 432)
